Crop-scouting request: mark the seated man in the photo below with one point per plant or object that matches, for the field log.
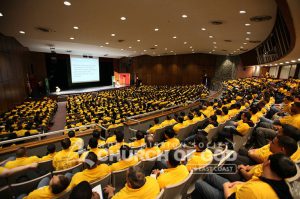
(65, 158)
(96, 134)
(76, 143)
(50, 188)
(175, 172)
(140, 141)
(93, 143)
(83, 191)
(120, 141)
(168, 122)
(150, 151)
(125, 159)
(21, 159)
(179, 125)
(92, 172)
(112, 138)
(171, 142)
(189, 120)
(203, 156)
(4, 172)
(137, 186)
(51, 153)
(155, 126)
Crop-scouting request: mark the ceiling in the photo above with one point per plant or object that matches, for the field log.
(98, 19)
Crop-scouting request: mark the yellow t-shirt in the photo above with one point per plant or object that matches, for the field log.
(254, 118)
(65, 159)
(115, 148)
(293, 120)
(148, 153)
(148, 191)
(263, 153)
(90, 175)
(208, 127)
(153, 129)
(2, 169)
(47, 157)
(170, 144)
(168, 123)
(42, 193)
(76, 143)
(21, 162)
(111, 139)
(198, 119)
(199, 159)
(178, 126)
(172, 176)
(99, 152)
(242, 127)
(222, 118)
(123, 164)
(137, 143)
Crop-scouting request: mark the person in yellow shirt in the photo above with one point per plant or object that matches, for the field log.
(271, 184)
(168, 122)
(234, 109)
(4, 172)
(137, 186)
(93, 143)
(140, 140)
(120, 142)
(203, 156)
(198, 116)
(179, 125)
(111, 139)
(92, 172)
(96, 134)
(150, 151)
(83, 190)
(76, 143)
(175, 172)
(65, 158)
(48, 189)
(155, 126)
(51, 153)
(171, 142)
(21, 159)
(126, 160)
(190, 120)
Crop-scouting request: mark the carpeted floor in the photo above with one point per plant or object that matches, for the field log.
(59, 119)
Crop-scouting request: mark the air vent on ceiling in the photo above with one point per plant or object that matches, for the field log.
(216, 22)
(228, 40)
(152, 48)
(254, 41)
(242, 49)
(44, 29)
(260, 18)
(121, 40)
(69, 51)
(224, 50)
(105, 55)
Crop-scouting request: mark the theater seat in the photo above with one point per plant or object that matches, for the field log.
(45, 167)
(148, 164)
(73, 170)
(106, 180)
(5, 192)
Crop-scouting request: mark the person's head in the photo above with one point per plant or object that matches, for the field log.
(96, 134)
(190, 116)
(174, 158)
(135, 177)
(253, 110)
(149, 141)
(21, 152)
(201, 142)
(279, 165)
(119, 136)
(225, 110)
(124, 152)
(156, 120)
(246, 116)
(91, 160)
(180, 119)
(218, 112)
(58, 183)
(93, 143)
(169, 133)
(283, 144)
(83, 190)
(71, 134)
(290, 131)
(169, 117)
(139, 135)
(288, 99)
(51, 148)
(295, 109)
(66, 143)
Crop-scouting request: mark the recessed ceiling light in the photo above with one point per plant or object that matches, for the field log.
(241, 47)
(123, 18)
(203, 29)
(155, 45)
(138, 40)
(174, 37)
(287, 62)
(242, 12)
(166, 48)
(1, 15)
(184, 16)
(76, 27)
(67, 3)
(113, 34)
(210, 36)
(276, 64)
(72, 38)
(299, 59)
(106, 43)
(191, 46)
(21, 32)
(281, 63)
(214, 42)
(215, 47)
(156, 29)
(213, 50)
(247, 24)
(122, 49)
(171, 51)
(101, 46)
(245, 43)
(247, 38)
(248, 33)
(145, 50)
(129, 47)
(185, 42)
(293, 61)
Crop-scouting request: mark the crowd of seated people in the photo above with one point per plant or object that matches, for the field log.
(246, 103)
(112, 107)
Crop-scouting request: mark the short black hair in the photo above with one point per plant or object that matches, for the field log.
(247, 115)
(282, 165)
(291, 131)
(66, 143)
(225, 110)
(21, 152)
(149, 141)
(190, 116)
(289, 144)
(91, 160)
(136, 177)
(93, 143)
(96, 134)
(71, 134)
(180, 119)
(61, 185)
(201, 141)
(139, 135)
(156, 120)
(253, 109)
(51, 148)
(170, 133)
(124, 152)
(119, 136)
(83, 190)
(174, 158)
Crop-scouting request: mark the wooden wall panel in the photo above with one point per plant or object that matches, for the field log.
(13, 69)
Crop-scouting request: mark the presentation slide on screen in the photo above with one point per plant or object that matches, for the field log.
(84, 69)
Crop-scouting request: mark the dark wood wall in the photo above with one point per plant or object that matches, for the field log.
(13, 72)
(170, 70)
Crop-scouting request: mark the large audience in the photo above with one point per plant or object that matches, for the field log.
(265, 110)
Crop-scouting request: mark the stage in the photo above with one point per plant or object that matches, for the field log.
(85, 90)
